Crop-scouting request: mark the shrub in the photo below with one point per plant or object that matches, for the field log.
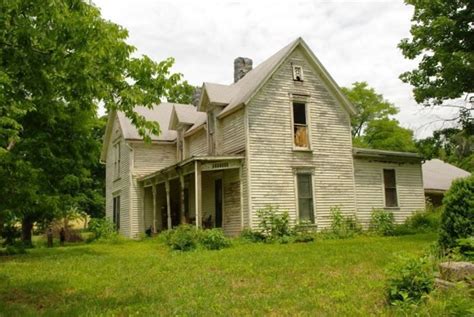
(410, 280)
(183, 238)
(252, 236)
(10, 233)
(382, 222)
(465, 248)
(343, 226)
(14, 248)
(102, 228)
(274, 224)
(213, 239)
(457, 217)
(424, 221)
(304, 233)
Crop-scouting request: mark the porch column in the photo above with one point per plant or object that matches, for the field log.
(143, 207)
(182, 218)
(198, 193)
(168, 203)
(154, 207)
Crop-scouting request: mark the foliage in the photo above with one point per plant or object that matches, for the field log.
(182, 238)
(54, 73)
(252, 236)
(102, 228)
(247, 279)
(213, 239)
(456, 219)
(372, 127)
(382, 222)
(387, 134)
(10, 233)
(442, 39)
(343, 226)
(304, 232)
(410, 280)
(466, 247)
(274, 224)
(14, 249)
(420, 221)
(452, 145)
(456, 301)
(370, 106)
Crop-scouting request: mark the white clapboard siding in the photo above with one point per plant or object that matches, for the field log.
(231, 193)
(233, 135)
(370, 188)
(118, 186)
(196, 144)
(147, 158)
(272, 158)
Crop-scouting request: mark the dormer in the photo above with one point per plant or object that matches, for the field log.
(182, 119)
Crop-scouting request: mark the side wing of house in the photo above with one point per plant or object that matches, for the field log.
(395, 185)
(117, 178)
(147, 158)
(300, 147)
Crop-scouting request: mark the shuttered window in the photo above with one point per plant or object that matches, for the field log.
(116, 212)
(390, 184)
(305, 197)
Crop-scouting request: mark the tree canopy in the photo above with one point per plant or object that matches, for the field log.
(443, 40)
(58, 61)
(372, 127)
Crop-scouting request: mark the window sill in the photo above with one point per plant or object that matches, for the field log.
(296, 149)
(392, 208)
(117, 179)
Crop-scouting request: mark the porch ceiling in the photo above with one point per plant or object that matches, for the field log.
(187, 166)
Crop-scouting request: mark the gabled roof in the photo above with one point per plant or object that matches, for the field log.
(240, 93)
(438, 175)
(160, 113)
(186, 115)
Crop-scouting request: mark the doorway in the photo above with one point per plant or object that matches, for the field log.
(218, 202)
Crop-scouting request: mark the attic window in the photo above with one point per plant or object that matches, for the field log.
(297, 73)
(300, 126)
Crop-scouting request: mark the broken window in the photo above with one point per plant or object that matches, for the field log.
(116, 212)
(300, 126)
(390, 185)
(297, 73)
(305, 197)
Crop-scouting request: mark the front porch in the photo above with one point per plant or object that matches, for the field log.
(203, 191)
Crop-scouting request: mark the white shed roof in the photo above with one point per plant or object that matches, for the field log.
(438, 175)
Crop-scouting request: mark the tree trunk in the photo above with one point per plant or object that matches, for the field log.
(26, 229)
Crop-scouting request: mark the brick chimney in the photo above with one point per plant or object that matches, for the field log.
(242, 65)
(196, 96)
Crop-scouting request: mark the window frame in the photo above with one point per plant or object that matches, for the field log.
(384, 188)
(116, 211)
(308, 172)
(294, 67)
(117, 159)
(305, 101)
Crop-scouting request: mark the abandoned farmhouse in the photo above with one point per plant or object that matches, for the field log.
(279, 135)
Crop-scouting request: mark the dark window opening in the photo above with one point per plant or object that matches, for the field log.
(300, 127)
(116, 212)
(305, 198)
(390, 186)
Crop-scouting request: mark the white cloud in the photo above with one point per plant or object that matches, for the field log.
(355, 40)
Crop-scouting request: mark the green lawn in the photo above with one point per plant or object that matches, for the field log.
(330, 277)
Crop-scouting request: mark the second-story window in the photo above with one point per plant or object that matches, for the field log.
(117, 160)
(211, 129)
(300, 126)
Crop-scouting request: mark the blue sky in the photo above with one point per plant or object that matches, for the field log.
(355, 40)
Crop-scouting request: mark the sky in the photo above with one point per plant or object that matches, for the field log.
(354, 40)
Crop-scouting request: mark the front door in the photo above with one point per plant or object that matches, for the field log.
(218, 195)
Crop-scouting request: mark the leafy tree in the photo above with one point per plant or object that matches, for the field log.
(387, 134)
(58, 61)
(453, 145)
(372, 126)
(443, 40)
(369, 104)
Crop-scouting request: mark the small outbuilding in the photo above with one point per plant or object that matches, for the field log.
(437, 178)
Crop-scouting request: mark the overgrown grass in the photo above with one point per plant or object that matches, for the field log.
(330, 277)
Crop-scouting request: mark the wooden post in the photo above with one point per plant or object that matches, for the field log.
(198, 193)
(182, 218)
(168, 203)
(154, 207)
